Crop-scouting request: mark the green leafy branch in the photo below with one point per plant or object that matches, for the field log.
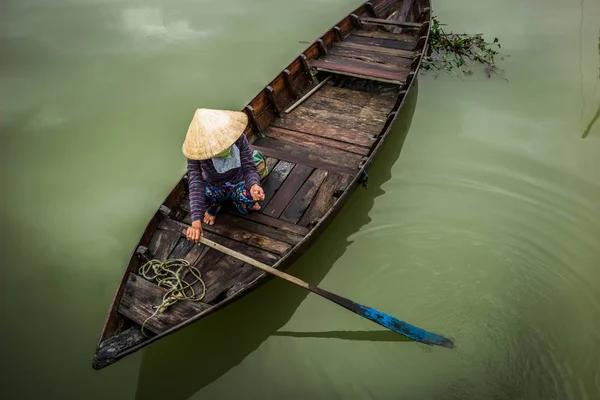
(457, 52)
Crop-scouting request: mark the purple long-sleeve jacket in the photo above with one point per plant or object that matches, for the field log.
(201, 172)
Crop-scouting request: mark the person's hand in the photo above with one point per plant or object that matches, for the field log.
(194, 232)
(257, 193)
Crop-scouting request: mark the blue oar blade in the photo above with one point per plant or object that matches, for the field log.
(386, 320)
(403, 328)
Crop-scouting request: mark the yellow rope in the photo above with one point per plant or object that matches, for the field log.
(167, 274)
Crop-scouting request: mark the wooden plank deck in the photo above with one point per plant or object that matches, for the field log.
(313, 155)
(371, 54)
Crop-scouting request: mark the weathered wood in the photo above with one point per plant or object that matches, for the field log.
(298, 205)
(185, 204)
(421, 43)
(182, 248)
(370, 56)
(252, 118)
(338, 33)
(298, 83)
(271, 95)
(162, 243)
(366, 118)
(403, 14)
(254, 252)
(116, 344)
(281, 235)
(365, 73)
(276, 223)
(385, 43)
(224, 275)
(307, 95)
(313, 153)
(405, 10)
(424, 29)
(324, 199)
(353, 98)
(371, 9)
(392, 52)
(322, 47)
(356, 21)
(196, 254)
(304, 157)
(300, 138)
(367, 65)
(247, 237)
(424, 15)
(308, 124)
(140, 297)
(288, 189)
(287, 78)
(275, 180)
(386, 35)
(380, 21)
(415, 62)
(307, 69)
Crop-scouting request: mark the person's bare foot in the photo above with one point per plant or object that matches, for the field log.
(209, 219)
(255, 207)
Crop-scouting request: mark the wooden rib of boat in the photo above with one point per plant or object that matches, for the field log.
(320, 123)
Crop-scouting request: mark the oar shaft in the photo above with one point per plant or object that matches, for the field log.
(372, 314)
(254, 262)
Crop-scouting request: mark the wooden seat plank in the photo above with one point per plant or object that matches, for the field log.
(251, 251)
(248, 237)
(290, 187)
(300, 138)
(353, 62)
(400, 37)
(298, 205)
(314, 152)
(302, 156)
(138, 301)
(361, 46)
(370, 56)
(381, 21)
(365, 73)
(324, 199)
(384, 43)
(238, 221)
(312, 127)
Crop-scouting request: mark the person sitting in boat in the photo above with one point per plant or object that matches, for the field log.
(220, 167)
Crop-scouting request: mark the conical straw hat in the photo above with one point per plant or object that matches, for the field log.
(212, 131)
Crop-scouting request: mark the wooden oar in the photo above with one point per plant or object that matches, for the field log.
(372, 314)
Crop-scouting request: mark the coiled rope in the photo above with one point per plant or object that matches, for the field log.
(167, 274)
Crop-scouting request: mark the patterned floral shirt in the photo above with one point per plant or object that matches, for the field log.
(202, 172)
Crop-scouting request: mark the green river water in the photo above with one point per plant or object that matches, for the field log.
(481, 220)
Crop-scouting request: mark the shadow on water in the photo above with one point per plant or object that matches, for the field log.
(182, 364)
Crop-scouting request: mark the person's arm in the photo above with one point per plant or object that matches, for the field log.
(250, 172)
(197, 199)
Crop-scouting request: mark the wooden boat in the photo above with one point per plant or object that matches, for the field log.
(320, 123)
